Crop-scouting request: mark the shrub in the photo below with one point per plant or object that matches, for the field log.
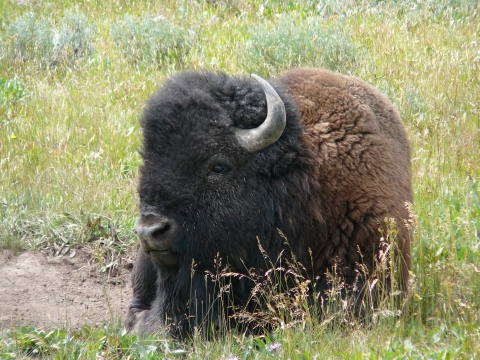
(71, 40)
(31, 40)
(408, 10)
(290, 44)
(39, 41)
(151, 41)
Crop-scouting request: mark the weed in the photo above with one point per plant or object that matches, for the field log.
(12, 91)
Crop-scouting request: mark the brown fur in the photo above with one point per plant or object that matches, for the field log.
(363, 161)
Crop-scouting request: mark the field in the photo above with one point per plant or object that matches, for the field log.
(74, 76)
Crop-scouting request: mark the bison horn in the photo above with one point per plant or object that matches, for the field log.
(272, 127)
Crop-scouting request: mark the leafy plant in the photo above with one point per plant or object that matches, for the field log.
(12, 92)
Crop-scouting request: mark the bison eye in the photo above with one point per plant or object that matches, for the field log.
(219, 169)
(218, 165)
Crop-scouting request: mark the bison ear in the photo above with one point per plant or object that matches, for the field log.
(272, 127)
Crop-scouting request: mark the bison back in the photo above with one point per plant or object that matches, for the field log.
(363, 160)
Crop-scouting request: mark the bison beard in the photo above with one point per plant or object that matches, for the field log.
(338, 168)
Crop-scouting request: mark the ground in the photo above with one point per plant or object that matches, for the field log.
(65, 291)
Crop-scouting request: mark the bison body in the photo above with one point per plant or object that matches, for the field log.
(339, 166)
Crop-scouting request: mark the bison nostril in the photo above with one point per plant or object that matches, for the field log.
(158, 232)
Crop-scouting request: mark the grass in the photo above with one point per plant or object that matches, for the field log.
(69, 137)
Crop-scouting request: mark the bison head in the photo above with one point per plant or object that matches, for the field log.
(217, 155)
(223, 169)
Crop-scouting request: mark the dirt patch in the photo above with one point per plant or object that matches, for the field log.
(60, 292)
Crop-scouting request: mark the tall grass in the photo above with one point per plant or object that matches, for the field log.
(69, 138)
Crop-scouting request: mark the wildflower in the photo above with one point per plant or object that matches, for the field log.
(275, 347)
(212, 20)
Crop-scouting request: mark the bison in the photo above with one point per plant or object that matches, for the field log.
(306, 166)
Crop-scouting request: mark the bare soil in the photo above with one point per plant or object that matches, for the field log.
(64, 291)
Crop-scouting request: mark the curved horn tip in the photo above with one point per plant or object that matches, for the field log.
(272, 128)
(260, 80)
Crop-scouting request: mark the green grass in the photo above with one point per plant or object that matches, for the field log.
(69, 140)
